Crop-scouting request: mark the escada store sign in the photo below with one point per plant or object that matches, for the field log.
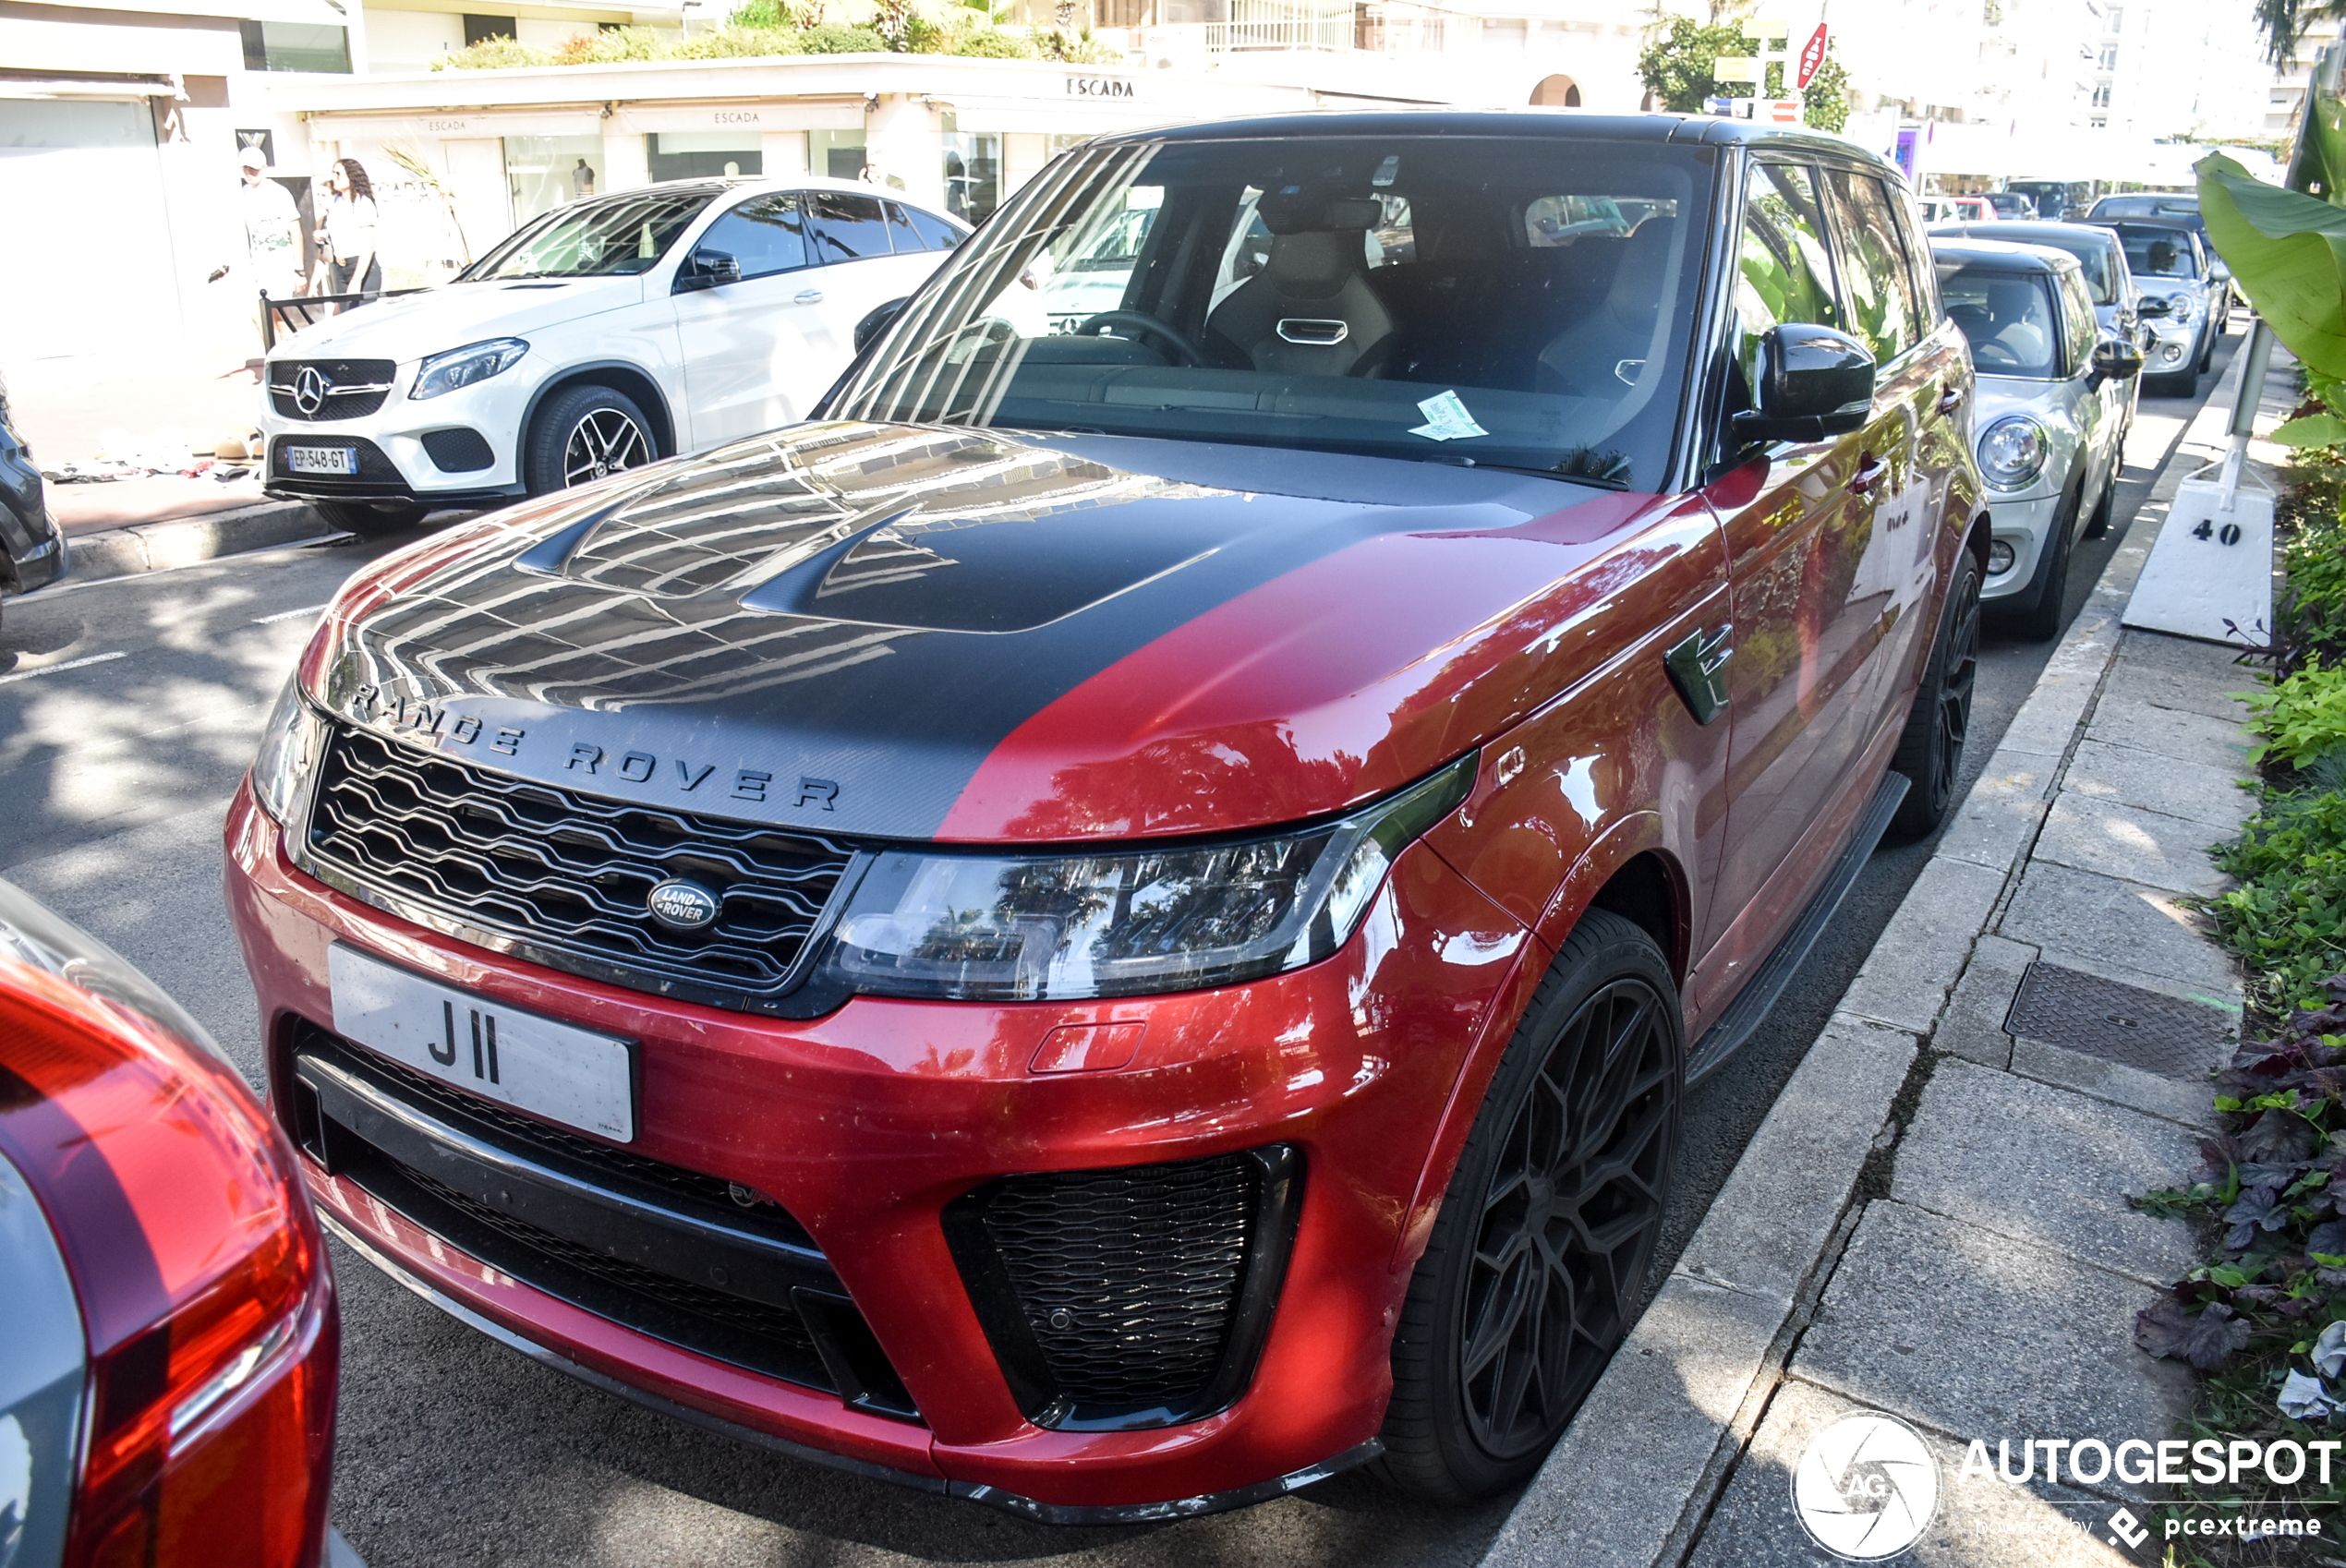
(1100, 87)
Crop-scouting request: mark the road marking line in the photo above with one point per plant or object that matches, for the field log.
(69, 664)
(288, 614)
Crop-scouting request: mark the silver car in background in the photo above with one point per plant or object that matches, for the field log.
(2110, 283)
(2047, 416)
(2181, 300)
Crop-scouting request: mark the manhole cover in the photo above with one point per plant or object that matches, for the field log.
(2120, 1023)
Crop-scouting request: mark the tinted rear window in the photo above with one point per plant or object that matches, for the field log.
(846, 229)
(2009, 317)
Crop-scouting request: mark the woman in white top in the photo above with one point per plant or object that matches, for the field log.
(348, 235)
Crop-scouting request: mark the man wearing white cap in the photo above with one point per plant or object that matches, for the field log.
(273, 229)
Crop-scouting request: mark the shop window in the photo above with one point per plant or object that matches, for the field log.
(543, 172)
(68, 122)
(837, 155)
(683, 155)
(973, 173)
(480, 29)
(296, 46)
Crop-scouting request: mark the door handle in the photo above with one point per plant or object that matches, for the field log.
(807, 296)
(1869, 474)
(1950, 400)
(1698, 668)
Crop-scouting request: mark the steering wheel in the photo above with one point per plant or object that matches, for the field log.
(1146, 324)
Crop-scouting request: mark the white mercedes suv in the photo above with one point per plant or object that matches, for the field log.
(601, 335)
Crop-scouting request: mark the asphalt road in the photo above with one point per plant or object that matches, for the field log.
(129, 710)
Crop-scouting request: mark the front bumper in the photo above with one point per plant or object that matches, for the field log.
(868, 1124)
(2026, 524)
(2172, 348)
(402, 444)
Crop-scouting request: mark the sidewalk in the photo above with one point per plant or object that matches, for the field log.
(1932, 1222)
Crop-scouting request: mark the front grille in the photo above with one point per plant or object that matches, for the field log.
(284, 378)
(568, 878)
(1140, 1294)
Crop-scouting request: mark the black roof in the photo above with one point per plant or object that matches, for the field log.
(1996, 256)
(2181, 225)
(1561, 125)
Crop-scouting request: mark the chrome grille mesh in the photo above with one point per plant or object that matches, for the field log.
(569, 875)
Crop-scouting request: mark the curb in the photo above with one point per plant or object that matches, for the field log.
(1635, 1474)
(182, 541)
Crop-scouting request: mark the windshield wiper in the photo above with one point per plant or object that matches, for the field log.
(1460, 460)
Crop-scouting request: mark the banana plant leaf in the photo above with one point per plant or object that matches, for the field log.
(2287, 252)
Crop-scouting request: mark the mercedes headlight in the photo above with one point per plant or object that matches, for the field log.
(290, 745)
(463, 367)
(2013, 452)
(1128, 921)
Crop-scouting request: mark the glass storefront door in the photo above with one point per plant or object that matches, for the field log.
(678, 155)
(543, 172)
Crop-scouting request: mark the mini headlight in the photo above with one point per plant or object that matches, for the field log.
(1125, 923)
(290, 744)
(2012, 451)
(463, 367)
(2182, 307)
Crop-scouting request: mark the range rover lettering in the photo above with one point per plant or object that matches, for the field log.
(1120, 922)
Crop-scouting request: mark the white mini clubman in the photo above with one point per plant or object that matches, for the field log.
(600, 336)
(2049, 422)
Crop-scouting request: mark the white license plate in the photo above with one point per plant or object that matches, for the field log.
(321, 460)
(568, 1075)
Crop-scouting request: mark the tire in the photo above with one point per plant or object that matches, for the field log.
(2106, 509)
(368, 520)
(2207, 353)
(2039, 620)
(1597, 1068)
(585, 433)
(1931, 751)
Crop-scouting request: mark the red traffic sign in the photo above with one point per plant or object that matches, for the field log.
(1812, 56)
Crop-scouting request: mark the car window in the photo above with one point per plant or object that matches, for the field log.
(2094, 258)
(765, 235)
(2009, 318)
(2084, 330)
(845, 227)
(1876, 279)
(1370, 294)
(2159, 252)
(596, 239)
(1786, 273)
(901, 237)
(935, 231)
(1919, 267)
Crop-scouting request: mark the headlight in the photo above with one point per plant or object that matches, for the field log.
(463, 367)
(289, 749)
(1128, 922)
(2012, 451)
(2182, 307)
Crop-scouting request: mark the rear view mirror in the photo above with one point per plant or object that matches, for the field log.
(2115, 361)
(1814, 383)
(876, 321)
(707, 269)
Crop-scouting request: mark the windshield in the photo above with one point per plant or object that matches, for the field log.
(2183, 209)
(603, 240)
(2158, 253)
(1514, 303)
(2009, 318)
(2093, 253)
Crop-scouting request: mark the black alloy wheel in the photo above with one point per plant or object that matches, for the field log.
(583, 434)
(1930, 750)
(1537, 1266)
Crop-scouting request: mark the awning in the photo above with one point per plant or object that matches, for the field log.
(751, 118)
(463, 124)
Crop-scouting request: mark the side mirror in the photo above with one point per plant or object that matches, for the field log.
(876, 321)
(1814, 383)
(707, 269)
(2114, 360)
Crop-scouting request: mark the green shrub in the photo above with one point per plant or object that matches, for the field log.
(834, 38)
(2301, 717)
(988, 43)
(2311, 615)
(495, 54)
(759, 13)
(740, 42)
(2287, 919)
(613, 47)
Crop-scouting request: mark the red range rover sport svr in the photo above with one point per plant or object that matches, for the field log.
(1122, 921)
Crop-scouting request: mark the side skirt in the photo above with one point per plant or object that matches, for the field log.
(1745, 1014)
